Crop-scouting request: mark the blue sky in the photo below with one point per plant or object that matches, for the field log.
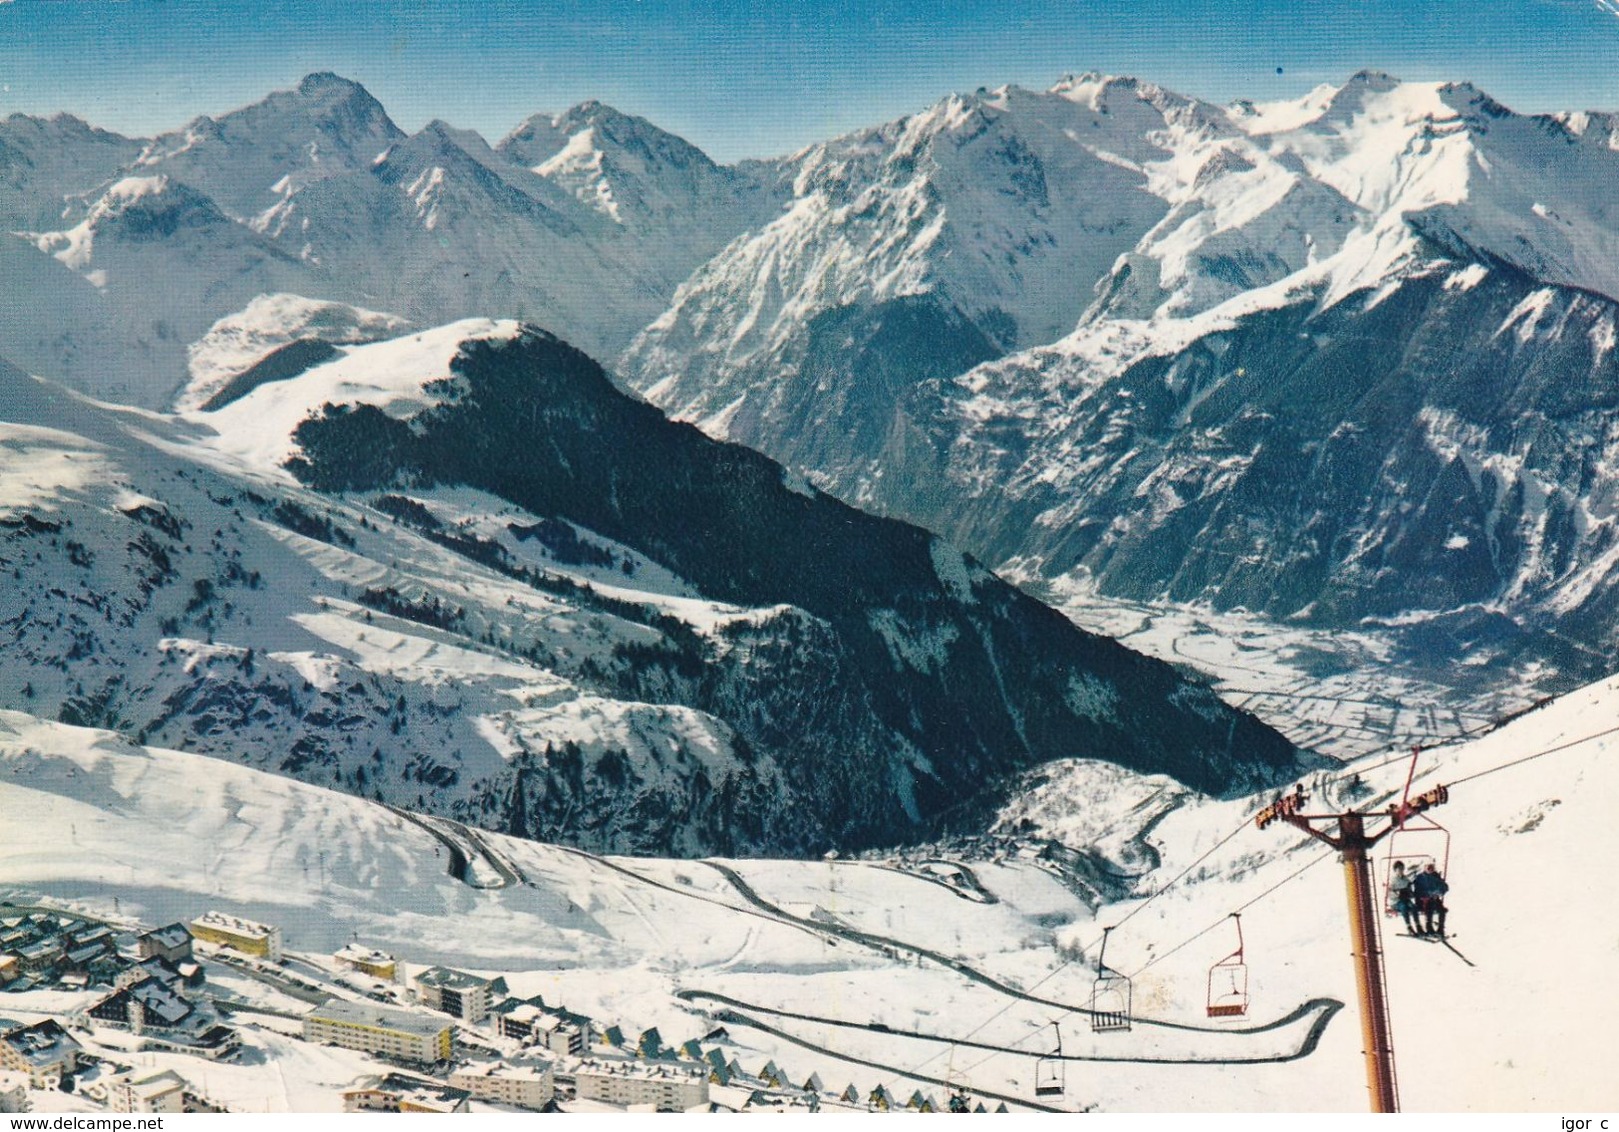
(759, 78)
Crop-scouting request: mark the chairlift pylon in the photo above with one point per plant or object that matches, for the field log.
(1228, 981)
(1050, 1073)
(1110, 995)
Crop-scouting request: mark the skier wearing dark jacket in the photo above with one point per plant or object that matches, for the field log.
(1429, 888)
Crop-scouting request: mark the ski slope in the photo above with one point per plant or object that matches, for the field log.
(874, 971)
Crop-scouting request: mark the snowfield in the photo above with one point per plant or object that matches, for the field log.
(897, 971)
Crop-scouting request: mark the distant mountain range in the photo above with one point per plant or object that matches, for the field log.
(1343, 361)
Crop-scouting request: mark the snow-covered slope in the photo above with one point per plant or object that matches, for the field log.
(245, 339)
(533, 603)
(849, 963)
(242, 618)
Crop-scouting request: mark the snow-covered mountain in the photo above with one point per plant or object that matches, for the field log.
(532, 603)
(1341, 362)
(113, 301)
(47, 164)
(315, 192)
(1354, 359)
(251, 160)
(913, 250)
(668, 197)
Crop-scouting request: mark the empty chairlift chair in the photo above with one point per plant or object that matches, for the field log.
(1050, 1072)
(1110, 995)
(1228, 982)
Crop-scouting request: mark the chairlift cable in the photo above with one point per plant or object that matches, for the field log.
(1241, 908)
(1184, 872)
(1538, 754)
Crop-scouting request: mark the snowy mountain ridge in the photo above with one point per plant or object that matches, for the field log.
(1353, 368)
(316, 192)
(517, 597)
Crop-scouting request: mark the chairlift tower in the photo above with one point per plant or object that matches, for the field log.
(1352, 842)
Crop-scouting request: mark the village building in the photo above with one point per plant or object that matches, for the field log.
(666, 1087)
(650, 1046)
(148, 1001)
(719, 1070)
(247, 936)
(84, 935)
(368, 961)
(148, 1092)
(187, 973)
(157, 1010)
(79, 960)
(10, 969)
(398, 1034)
(397, 1092)
(464, 996)
(531, 1023)
(523, 1084)
(44, 1051)
(172, 944)
(41, 955)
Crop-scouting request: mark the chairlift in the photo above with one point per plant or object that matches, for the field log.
(960, 1088)
(1110, 995)
(1050, 1072)
(1418, 842)
(1228, 981)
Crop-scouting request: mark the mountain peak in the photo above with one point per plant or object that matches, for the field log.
(1381, 80)
(1092, 87)
(324, 82)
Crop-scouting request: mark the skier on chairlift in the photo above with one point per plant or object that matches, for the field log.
(1430, 888)
(1404, 900)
